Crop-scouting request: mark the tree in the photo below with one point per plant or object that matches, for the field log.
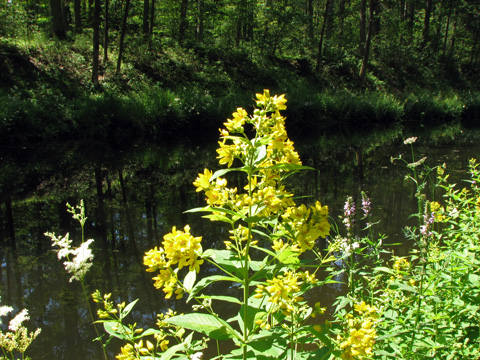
(200, 13)
(59, 30)
(146, 23)
(426, 21)
(105, 31)
(368, 41)
(363, 12)
(183, 21)
(122, 36)
(96, 42)
(322, 34)
(77, 13)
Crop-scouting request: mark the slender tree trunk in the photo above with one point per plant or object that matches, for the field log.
(368, 40)
(474, 47)
(410, 17)
(241, 13)
(341, 21)
(363, 22)
(310, 19)
(122, 36)
(446, 31)
(183, 21)
(101, 225)
(56, 19)
(152, 22)
(322, 35)
(77, 14)
(105, 31)
(96, 43)
(146, 22)
(453, 37)
(10, 224)
(426, 22)
(330, 8)
(199, 29)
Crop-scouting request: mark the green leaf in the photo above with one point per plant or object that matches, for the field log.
(260, 154)
(288, 257)
(112, 328)
(216, 217)
(230, 299)
(288, 167)
(171, 351)
(222, 172)
(127, 309)
(228, 260)
(206, 324)
(269, 343)
(384, 269)
(232, 213)
(189, 280)
(149, 332)
(203, 283)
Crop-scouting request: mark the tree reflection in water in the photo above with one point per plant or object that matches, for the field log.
(134, 197)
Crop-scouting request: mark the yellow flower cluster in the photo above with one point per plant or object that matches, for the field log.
(271, 152)
(179, 248)
(439, 212)
(359, 342)
(306, 225)
(283, 291)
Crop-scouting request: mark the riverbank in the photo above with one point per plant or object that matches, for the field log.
(186, 94)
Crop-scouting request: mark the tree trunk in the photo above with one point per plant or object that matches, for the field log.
(363, 15)
(199, 29)
(310, 19)
(426, 22)
(368, 41)
(410, 17)
(96, 42)
(322, 35)
(183, 21)
(341, 21)
(241, 13)
(10, 227)
(446, 31)
(77, 14)
(122, 37)
(152, 22)
(56, 19)
(453, 37)
(474, 47)
(146, 22)
(105, 32)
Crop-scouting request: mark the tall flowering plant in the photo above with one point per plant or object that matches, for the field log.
(262, 255)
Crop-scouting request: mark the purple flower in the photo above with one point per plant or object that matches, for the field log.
(366, 205)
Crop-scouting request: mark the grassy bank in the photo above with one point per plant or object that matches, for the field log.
(47, 96)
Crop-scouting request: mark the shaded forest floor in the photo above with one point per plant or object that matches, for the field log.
(46, 92)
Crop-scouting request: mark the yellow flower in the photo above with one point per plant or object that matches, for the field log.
(127, 353)
(182, 248)
(164, 345)
(238, 120)
(203, 180)
(281, 291)
(154, 259)
(226, 153)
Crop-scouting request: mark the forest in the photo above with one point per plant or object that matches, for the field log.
(117, 213)
(86, 69)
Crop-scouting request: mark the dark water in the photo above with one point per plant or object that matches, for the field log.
(134, 196)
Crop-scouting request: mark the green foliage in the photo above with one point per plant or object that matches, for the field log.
(423, 304)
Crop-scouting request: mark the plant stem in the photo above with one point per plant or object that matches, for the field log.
(93, 319)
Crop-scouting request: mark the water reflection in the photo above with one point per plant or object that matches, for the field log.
(134, 197)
